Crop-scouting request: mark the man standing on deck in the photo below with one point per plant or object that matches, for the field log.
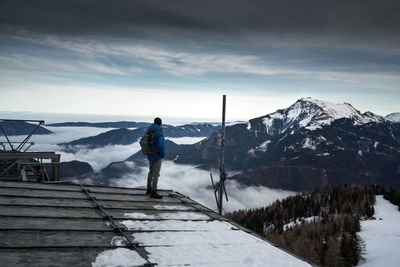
(155, 161)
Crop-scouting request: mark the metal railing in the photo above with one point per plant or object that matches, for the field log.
(16, 163)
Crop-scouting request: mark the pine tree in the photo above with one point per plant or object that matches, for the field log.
(346, 251)
(357, 247)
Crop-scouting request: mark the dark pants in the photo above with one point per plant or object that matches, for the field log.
(154, 173)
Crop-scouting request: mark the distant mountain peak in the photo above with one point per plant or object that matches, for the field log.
(329, 112)
(311, 114)
(394, 117)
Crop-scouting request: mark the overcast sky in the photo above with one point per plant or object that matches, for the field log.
(176, 58)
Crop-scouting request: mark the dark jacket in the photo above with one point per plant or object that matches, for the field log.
(159, 143)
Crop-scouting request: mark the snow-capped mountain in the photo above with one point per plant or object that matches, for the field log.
(310, 144)
(394, 117)
(310, 114)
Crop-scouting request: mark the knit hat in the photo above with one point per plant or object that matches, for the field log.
(157, 121)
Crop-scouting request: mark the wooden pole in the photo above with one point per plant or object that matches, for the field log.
(222, 173)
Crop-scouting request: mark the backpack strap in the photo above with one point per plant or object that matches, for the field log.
(154, 135)
(151, 131)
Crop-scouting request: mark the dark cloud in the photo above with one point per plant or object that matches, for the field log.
(355, 19)
(303, 35)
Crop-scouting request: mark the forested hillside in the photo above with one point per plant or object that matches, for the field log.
(320, 226)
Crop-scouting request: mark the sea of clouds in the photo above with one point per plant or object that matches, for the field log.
(196, 183)
(186, 179)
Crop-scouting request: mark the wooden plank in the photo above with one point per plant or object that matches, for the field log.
(59, 212)
(85, 203)
(24, 238)
(72, 187)
(39, 193)
(6, 200)
(78, 195)
(55, 212)
(81, 257)
(53, 224)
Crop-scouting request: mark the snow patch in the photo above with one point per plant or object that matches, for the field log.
(249, 126)
(176, 225)
(309, 143)
(170, 207)
(376, 144)
(263, 146)
(118, 241)
(168, 216)
(268, 122)
(251, 152)
(382, 236)
(120, 257)
(203, 243)
(300, 221)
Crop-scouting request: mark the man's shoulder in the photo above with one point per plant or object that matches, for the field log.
(155, 128)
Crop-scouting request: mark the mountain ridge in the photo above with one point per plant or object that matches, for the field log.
(285, 149)
(125, 136)
(311, 114)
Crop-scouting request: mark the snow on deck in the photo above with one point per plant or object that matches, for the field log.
(192, 238)
(382, 236)
(203, 243)
(82, 225)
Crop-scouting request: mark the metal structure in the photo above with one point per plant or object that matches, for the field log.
(219, 187)
(16, 163)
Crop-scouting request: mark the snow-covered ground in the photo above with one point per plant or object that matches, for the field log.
(194, 243)
(382, 236)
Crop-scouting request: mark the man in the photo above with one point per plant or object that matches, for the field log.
(155, 161)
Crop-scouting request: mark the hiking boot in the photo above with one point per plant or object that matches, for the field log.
(148, 191)
(155, 195)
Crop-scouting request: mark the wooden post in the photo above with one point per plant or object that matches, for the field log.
(219, 188)
(222, 173)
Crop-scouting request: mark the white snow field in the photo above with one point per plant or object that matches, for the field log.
(382, 236)
(173, 242)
